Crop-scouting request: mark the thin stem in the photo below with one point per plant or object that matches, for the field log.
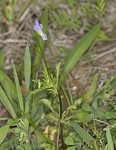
(58, 136)
(101, 121)
(61, 126)
(43, 58)
(69, 91)
(65, 94)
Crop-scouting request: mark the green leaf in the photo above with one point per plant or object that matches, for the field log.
(6, 144)
(92, 88)
(46, 102)
(8, 91)
(58, 71)
(6, 102)
(4, 77)
(89, 118)
(69, 141)
(19, 94)
(27, 146)
(1, 59)
(86, 107)
(110, 115)
(83, 134)
(27, 67)
(110, 144)
(71, 148)
(3, 132)
(80, 48)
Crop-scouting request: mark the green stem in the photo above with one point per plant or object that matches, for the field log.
(66, 96)
(61, 125)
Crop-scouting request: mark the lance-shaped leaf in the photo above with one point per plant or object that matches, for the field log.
(6, 102)
(27, 68)
(3, 132)
(80, 48)
(83, 134)
(19, 94)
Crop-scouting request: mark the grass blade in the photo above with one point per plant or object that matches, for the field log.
(83, 134)
(4, 77)
(3, 132)
(27, 68)
(8, 91)
(90, 93)
(109, 140)
(80, 48)
(19, 94)
(6, 102)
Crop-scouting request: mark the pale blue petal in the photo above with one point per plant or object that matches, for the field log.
(44, 37)
(37, 28)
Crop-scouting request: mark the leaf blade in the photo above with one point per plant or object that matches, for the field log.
(83, 134)
(27, 67)
(80, 48)
(19, 94)
(110, 144)
(3, 132)
(6, 102)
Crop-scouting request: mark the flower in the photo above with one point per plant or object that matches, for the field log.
(38, 28)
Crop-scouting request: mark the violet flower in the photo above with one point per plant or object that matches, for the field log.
(38, 28)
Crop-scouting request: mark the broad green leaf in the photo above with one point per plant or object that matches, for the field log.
(110, 144)
(69, 141)
(3, 132)
(6, 102)
(19, 94)
(1, 59)
(86, 107)
(89, 118)
(27, 68)
(110, 115)
(83, 134)
(80, 48)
